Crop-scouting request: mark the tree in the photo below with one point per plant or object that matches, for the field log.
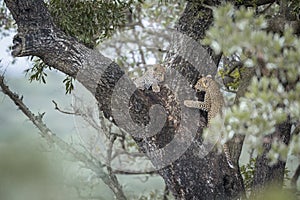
(259, 59)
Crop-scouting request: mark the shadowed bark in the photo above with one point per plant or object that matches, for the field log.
(266, 174)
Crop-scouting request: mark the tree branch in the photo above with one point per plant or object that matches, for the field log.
(62, 111)
(45, 132)
(134, 172)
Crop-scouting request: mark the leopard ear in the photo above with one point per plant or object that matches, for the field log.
(205, 83)
(209, 76)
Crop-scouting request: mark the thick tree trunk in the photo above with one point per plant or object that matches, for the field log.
(177, 150)
(267, 175)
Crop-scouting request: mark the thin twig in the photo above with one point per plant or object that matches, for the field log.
(62, 111)
(135, 172)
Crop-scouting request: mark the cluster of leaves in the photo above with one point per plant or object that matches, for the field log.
(68, 81)
(161, 13)
(247, 172)
(93, 21)
(37, 73)
(233, 74)
(267, 102)
(90, 21)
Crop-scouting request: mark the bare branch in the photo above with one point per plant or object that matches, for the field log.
(95, 165)
(135, 172)
(62, 111)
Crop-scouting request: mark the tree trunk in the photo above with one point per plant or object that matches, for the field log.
(177, 150)
(267, 175)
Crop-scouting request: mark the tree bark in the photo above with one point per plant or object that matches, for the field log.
(190, 176)
(271, 175)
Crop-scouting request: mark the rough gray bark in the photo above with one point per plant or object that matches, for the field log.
(266, 175)
(190, 176)
(227, 185)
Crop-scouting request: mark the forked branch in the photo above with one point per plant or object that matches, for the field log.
(93, 164)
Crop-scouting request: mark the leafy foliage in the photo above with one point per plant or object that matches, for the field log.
(247, 172)
(68, 81)
(234, 74)
(37, 72)
(90, 21)
(273, 94)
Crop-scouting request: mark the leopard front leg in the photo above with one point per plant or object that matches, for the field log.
(197, 104)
